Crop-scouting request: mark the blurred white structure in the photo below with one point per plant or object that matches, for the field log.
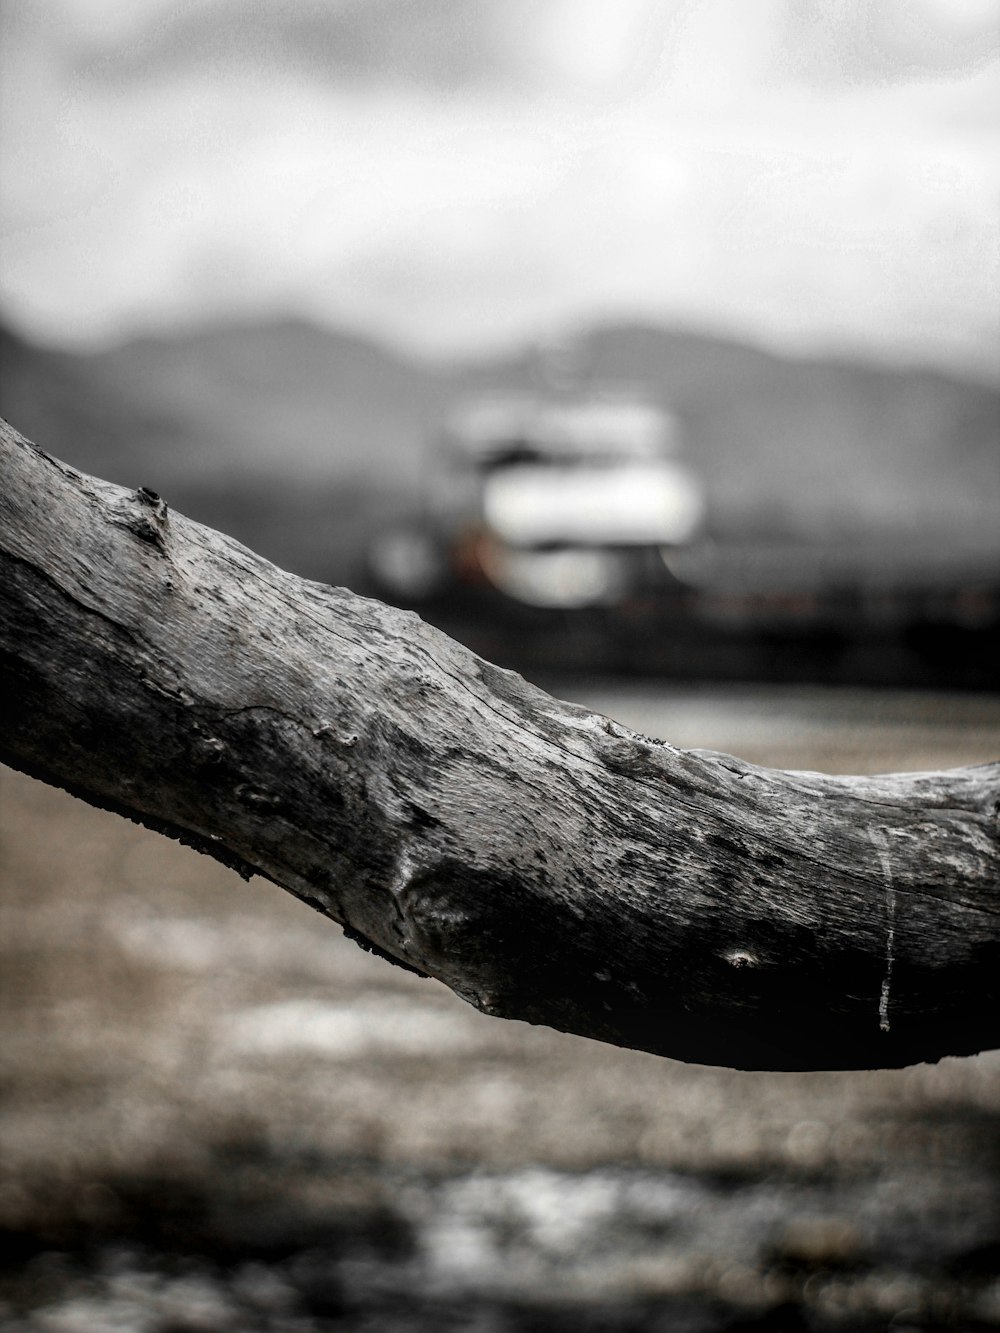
(550, 501)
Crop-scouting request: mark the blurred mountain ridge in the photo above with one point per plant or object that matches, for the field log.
(300, 438)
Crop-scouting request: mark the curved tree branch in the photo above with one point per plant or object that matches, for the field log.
(543, 862)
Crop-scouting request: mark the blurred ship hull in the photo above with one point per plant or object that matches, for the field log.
(864, 615)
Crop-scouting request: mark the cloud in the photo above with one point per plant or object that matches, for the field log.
(455, 175)
(439, 45)
(894, 41)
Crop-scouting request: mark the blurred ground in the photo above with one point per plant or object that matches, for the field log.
(218, 1114)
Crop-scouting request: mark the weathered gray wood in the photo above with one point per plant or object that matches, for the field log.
(543, 862)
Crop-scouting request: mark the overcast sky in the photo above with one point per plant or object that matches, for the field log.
(456, 175)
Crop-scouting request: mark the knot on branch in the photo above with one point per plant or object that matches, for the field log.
(144, 513)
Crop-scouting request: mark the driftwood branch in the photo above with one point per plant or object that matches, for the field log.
(543, 862)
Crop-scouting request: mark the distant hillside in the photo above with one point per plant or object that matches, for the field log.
(298, 439)
(821, 451)
(292, 439)
(284, 399)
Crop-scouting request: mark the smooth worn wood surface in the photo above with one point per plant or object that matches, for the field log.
(545, 863)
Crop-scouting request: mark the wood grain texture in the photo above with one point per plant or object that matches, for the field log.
(545, 863)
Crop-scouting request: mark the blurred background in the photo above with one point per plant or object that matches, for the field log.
(651, 348)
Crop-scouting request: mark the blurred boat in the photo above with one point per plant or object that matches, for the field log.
(556, 503)
(569, 532)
